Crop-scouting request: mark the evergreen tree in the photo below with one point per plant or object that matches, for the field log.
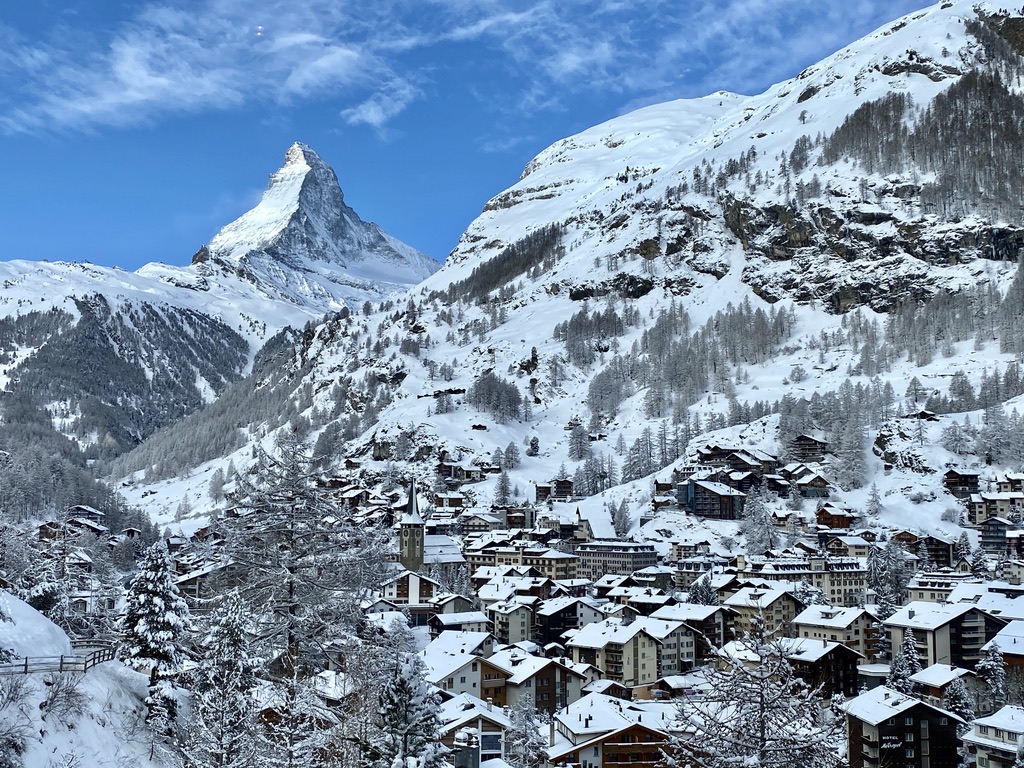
(958, 700)
(156, 617)
(979, 564)
(503, 489)
(874, 505)
(758, 525)
(622, 520)
(701, 592)
(223, 730)
(524, 744)
(962, 550)
(409, 730)
(905, 663)
(992, 670)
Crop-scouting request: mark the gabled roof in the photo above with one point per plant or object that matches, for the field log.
(881, 703)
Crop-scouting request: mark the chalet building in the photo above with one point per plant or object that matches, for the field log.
(636, 744)
(845, 546)
(813, 486)
(1012, 482)
(995, 535)
(413, 592)
(553, 617)
(962, 484)
(994, 740)
(825, 666)
(778, 607)
(466, 711)
(944, 633)
(689, 569)
(706, 498)
(1010, 641)
(636, 651)
(935, 587)
(853, 627)
(834, 517)
(939, 548)
(449, 500)
(512, 621)
(468, 621)
(711, 625)
(552, 684)
(807, 448)
(886, 728)
(715, 455)
(932, 683)
(597, 558)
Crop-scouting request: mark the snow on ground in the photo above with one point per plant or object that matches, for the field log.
(107, 731)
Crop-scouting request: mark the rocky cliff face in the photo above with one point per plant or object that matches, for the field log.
(302, 241)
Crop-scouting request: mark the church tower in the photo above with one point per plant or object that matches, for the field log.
(410, 533)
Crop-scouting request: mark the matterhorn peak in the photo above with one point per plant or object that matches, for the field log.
(303, 242)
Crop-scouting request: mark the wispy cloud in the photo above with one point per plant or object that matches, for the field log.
(374, 60)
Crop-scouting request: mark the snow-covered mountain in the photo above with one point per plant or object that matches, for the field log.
(113, 355)
(568, 291)
(304, 244)
(770, 187)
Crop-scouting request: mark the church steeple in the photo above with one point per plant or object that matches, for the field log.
(410, 534)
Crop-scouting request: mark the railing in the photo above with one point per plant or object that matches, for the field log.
(64, 663)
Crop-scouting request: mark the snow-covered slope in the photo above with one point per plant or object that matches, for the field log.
(614, 220)
(705, 186)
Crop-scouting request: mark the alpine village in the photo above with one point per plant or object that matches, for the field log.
(703, 448)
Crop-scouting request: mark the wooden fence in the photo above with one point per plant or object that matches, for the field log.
(72, 663)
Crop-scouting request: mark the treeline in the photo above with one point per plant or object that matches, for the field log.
(543, 245)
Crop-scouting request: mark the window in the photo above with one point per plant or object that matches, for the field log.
(462, 679)
(909, 736)
(910, 753)
(908, 721)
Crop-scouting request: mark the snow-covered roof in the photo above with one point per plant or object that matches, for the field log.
(881, 703)
(828, 616)
(928, 616)
(1010, 639)
(938, 675)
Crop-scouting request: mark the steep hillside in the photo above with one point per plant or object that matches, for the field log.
(654, 280)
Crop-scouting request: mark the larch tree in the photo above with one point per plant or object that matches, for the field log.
(761, 715)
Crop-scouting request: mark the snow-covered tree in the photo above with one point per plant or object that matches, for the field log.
(962, 550)
(979, 564)
(992, 671)
(409, 730)
(156, 617)
(958, 700)
(222, 732)
(758, 525)
(874, 504)
(503, 489)
(301, 572)
(754, 715)
(622, 520)
(524, 743)
(701, 592)
(905, 663)
(808, 594)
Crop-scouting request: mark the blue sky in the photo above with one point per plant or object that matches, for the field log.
(130, 131)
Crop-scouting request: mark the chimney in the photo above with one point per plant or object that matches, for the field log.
(910, 613)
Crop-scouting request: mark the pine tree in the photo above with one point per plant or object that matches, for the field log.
(156, 617)
(702, 593)
(979, 564)
(874, 505)
(959, 700)
(905, 664)
(503, 489)
(223, 730)
(992, 670)
(962, 550)
(524, 744)
(622, 520)
(758, 525)
(409, 730)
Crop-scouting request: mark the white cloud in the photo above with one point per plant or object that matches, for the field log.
(372, 59)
